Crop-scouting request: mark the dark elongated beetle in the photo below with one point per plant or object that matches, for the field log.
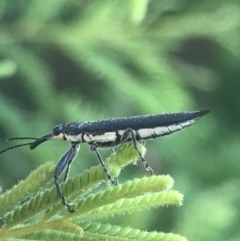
(109, 134)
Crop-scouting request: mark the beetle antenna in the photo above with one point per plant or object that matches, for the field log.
(12, 147)
(22, 138)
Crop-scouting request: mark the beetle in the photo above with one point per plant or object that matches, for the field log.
(110, 133)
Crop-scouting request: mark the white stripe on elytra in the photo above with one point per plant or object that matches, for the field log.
(144, 133)
(106, 137)
(161, 130)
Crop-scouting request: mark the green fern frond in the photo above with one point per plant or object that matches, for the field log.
(36, 180)
(108, 231)
(137, 203)
(43, 216)
(99, 231)
(130, 189)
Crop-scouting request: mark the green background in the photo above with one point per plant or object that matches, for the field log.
(65, 60)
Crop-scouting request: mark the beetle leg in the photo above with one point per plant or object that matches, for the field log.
(65, 160)
(112, 180)
(132, 134)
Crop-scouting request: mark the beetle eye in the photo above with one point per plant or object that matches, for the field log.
(57, 130)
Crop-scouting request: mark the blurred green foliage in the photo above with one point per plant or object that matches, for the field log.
(62, 61)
